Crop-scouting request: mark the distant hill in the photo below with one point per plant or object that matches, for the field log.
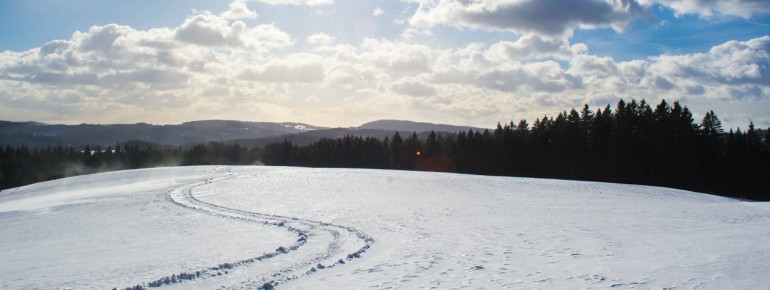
(34, 134)
(250, 134)
(410, 126)
(376, 129)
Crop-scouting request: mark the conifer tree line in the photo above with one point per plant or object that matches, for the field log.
(633, 143)
(22, 165)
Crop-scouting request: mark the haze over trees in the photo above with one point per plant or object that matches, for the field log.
(633, 142)
(23, 165)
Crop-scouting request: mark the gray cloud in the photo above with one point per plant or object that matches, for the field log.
(558, 17)
(414, 89)
(544, 17)
(663, 84)
(54, 47)
(545, 76)
(287, 73)
(161, 79)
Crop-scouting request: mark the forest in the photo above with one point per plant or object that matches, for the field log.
(632, 143)
(22, 166)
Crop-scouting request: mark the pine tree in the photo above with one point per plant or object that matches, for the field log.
(710, 126)
(432, 143)
(412, 147)
(709, 152)
(396, 154)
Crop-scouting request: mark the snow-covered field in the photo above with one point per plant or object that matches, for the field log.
(243, 227)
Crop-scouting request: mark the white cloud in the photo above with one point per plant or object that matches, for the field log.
(320, 39)
(312, 99)
(377, 11)
(715, 8)
(490, 70)
(731, 63)
(291, 69)
(239, 10)
(213, 65)
(297, 2)
(411, 33)
(266, 36)
(101, 38)
(115, 67)
(398, 56)
(533, 46)
(413, 88)
(207, 29)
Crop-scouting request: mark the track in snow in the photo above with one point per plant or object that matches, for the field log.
(319, 246)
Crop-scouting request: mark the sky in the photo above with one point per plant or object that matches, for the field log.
(342, 63)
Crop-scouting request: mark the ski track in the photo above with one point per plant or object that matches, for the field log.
(304, 260)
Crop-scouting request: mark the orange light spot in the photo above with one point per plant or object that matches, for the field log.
(418, 153)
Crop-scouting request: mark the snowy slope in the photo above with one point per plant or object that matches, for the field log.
(341, 228)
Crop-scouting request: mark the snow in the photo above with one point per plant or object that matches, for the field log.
(408, 229)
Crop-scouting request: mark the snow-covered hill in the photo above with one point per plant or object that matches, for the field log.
(243, 227)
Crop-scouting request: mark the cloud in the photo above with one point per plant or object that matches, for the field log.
(101, 38)
(398, 56)
(735, 70)
(213, 65)
(162, 79)
(663, 84)
(266, 36)
(543, 17)
(297, 2)
(730, 63)
(114, 67)
(490, 70)
(207, 29)
(292, 69)
(320, 39)
(238, 10)
(377, 11)
(533, 46)
(411, 33)
(413, 88)
(312, 99)
(553, 18)
(715, 8)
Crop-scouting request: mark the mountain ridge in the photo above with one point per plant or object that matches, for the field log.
(248, 133)
(406, 125)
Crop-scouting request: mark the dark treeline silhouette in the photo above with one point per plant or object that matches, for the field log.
(632, 143)
(22, 166)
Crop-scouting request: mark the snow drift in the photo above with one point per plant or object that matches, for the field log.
(249, 227)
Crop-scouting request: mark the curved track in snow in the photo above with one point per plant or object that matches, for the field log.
(319, 246)
(257, 227)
